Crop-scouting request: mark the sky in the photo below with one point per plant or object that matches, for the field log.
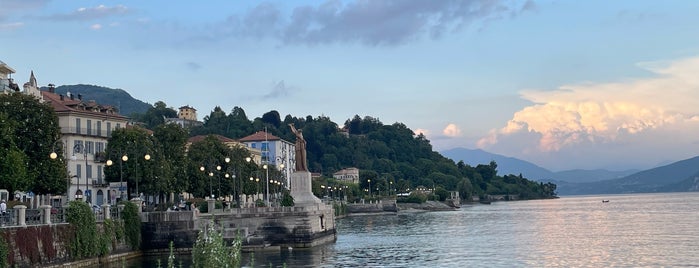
(562, 84)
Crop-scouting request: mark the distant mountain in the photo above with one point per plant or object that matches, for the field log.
(118, 98)
(679, 176)
(506, 165)
(582, 175)
(511, 165)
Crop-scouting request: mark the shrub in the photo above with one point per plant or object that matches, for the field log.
(85, 242)
(132, 225)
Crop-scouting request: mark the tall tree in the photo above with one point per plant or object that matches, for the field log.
(135, 143)
(35, 134)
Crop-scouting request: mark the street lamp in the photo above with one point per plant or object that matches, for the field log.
(211, 175)
(138, 194)
(124, 158)
(267, 182)
(369, 181)
(80, 148)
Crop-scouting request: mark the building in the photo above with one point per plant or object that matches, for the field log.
(85, 128)
(255, 154)
(186, 118)
(6, 82)
(275, 151)
(347, 175)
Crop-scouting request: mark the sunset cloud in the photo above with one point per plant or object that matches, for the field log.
(424, 132)
(451, 130)
(601, 113)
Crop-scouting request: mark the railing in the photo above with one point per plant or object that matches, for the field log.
(58, 215)
(33, 216)
(48, 214)
(83, 131)
(9, 217)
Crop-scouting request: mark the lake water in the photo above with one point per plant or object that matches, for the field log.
(643, 230)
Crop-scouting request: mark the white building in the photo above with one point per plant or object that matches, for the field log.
(347, 175)
(275, 151)
(85, 128)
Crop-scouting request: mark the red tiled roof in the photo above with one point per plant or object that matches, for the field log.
(260, 136)
(67, 105)
(199, 138)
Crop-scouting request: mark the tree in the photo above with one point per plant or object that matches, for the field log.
(156, 115)
(32, 134)
(135, 143)
(169, 161)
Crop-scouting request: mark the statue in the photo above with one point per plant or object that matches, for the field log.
(301, 164)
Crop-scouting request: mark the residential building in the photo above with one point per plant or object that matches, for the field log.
(85, 128)
(186, 117)
(275, 151)
(6, 82)
(347, 175)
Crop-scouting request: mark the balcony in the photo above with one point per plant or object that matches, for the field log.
(83, 131)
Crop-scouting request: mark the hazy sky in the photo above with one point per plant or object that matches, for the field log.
(563, 84)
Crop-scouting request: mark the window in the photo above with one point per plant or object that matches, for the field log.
(88, 171)
(254, 145)
(90, 147)
(265, 146)
(99, 128)
(99, 146)
(118, 125)
(99, 173)
(89, 127)
(77, 147)
(78, 170)
(77, 126)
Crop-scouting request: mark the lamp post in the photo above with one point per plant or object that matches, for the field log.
(266, 167)
(369, 181)
(211, 175)
(138, 193)
(80, 149)
(124, 158)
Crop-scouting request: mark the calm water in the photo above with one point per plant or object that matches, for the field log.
(645, 230)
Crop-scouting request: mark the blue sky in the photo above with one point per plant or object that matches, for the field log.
(563, 84)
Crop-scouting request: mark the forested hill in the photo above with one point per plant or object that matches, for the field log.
(118, 98)
(385, 154)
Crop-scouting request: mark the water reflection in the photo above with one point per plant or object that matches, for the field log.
(656, 230)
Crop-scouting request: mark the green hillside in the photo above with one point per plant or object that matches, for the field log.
(118, 98)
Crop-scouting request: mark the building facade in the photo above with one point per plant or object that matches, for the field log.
(275, 151)
(85, 128)
(347, 175)
(186, 118)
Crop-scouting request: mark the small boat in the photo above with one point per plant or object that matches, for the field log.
(605, 201)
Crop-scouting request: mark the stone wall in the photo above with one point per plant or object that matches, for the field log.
(44, 245)
(382, 206)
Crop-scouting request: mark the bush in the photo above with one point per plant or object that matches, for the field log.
(210, 249)
(85, 243)
(287, 200)
(132, 225)
(414, 197)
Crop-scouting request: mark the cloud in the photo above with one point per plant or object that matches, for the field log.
(419, 131)
(607, 112)
(10, 7)
(389, 22)
(90, 13)
(451, 130)
(193, 66)
(279, 90)
(96, 26)
(10, 26)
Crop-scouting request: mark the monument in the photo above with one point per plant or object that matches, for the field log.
(301, 178)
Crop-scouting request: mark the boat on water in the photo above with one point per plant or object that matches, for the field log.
(605, 201)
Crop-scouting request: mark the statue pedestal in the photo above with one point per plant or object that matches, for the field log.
(301, 189)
